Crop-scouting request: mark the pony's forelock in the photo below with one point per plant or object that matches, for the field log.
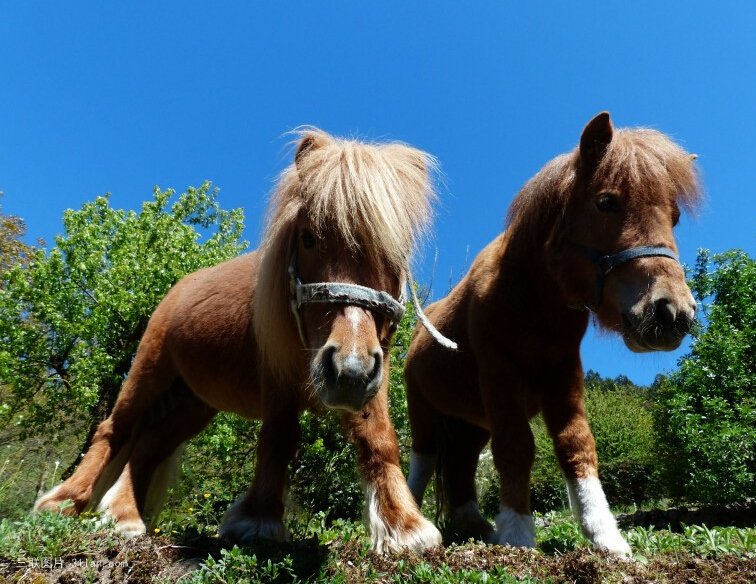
(376, 197)
(648, 161)
(642, 160)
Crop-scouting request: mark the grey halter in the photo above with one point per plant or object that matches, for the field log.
(341, 293)
(605, 263)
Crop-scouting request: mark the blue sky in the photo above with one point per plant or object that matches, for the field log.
(99, 97)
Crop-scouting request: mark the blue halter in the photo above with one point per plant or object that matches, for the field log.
(606, 263)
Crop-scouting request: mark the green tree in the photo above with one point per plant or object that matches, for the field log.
(71, 317)
(706, 411)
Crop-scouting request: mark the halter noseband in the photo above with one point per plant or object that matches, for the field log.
(340, 293)
(605, 263)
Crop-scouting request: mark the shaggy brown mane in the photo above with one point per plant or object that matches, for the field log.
(377, 197)
(638, 160)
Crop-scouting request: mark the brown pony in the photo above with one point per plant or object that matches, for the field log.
(590, 233)
(306, 320)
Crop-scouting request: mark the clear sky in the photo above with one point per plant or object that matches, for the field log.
(106, 97)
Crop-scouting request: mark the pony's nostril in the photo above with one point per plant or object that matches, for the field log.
(664, 312)
(377, 366)
(328, 362)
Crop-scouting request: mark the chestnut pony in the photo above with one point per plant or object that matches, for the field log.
(590, 233)
(306, 320)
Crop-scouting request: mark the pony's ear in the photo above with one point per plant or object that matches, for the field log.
(595, 138)
(309, 142)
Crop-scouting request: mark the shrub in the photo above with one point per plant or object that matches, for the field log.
(629, 467)
(706, 411)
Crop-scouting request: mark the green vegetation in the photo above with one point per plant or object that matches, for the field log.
(340, 553)
(70, 320)
(706, 411)
(71, 317)
(12, 250)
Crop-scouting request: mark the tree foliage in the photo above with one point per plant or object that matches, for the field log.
(12, 250)
(71, 317)
(706, 411)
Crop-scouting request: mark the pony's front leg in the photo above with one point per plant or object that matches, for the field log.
(393, 518)
(258, 514)
(575, 447)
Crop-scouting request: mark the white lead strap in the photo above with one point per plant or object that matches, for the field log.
(432, 330)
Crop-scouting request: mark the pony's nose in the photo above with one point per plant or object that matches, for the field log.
(350, 381)
(669, 316)
(356, 373)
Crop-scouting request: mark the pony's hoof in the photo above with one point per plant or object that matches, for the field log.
(241, 528)
(56, 500)
(246, 530)
(468, 522)
(614, 543)
(131, 528)
(417, 539)
(515, 529)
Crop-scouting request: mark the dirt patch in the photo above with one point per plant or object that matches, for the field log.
(577, 566)
(142, 559)
(132, 561)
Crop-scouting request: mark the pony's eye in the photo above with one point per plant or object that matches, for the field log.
(308, 240)
(608, 203)
(675, 217)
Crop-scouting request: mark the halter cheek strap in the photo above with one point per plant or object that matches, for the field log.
(606, 263)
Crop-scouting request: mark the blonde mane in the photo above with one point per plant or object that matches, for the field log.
(377, 197)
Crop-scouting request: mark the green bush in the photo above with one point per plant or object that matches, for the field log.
(621, 418)
(217, 467)
(324, 475)
(706, 411)
(629, 466)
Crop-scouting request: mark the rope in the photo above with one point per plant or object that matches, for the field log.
(432, 330)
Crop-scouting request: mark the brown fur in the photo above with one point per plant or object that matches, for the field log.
(512, 314)
(225, 338)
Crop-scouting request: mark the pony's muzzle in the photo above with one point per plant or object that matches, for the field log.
(349, 381)
(662, 327)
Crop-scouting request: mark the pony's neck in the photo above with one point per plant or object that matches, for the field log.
(527, 253)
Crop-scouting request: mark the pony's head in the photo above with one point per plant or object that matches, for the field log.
(344, 220)
(613, 203)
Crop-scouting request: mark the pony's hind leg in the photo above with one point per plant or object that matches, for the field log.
(148, 377)
(463, 444)
(424, 426)
(576, 450)
(513, 449)
(393, 517)
(137, 496)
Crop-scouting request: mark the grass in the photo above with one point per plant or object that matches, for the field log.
(339, 552)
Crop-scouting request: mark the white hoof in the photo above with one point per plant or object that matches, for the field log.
(386, 540)
(244, 529)
(131, 528)
(386, 536)
(613, 542)
(515, 529)
(592, 511)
